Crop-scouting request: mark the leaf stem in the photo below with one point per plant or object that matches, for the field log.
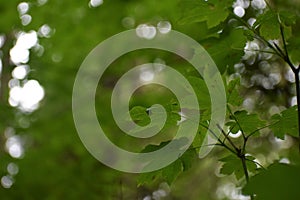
(296, 74)
(284, 42)
(240, 152)
(243, 159)
(253, 132)
(298, 100)
(221, 143)
(237, 122)
(227, 137)
(257, 163)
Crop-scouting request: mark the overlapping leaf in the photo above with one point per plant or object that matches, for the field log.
(226, 50)
(243, 121)
(213, 11)
(233, 164)
(270, 21)
(285, 123)
(170, 172)
(233, 96)
(294, 48)
(140, 114)
(269, 25)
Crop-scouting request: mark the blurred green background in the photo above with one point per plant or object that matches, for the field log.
(41, 155)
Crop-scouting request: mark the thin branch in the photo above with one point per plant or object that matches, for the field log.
(256, 34)
(245, 139)
(263, 40)
(254, 50)
(213, 133)
(253, 132)
(219, 140)
(262, 51)
(244, 145)
(205, 145)
(298, 101)
(243, 159)
(229, 140)
(268, 5)
(287, 57)
(228, 133)
(256, 163)
(283, 41)
(279, 50)
(237, 122)
(296, 74)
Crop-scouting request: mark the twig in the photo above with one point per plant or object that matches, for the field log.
(243, 159)
(296, 74)
(256, 163)
(253, 132)
(229, 140)
(219, 140)
(237, 122)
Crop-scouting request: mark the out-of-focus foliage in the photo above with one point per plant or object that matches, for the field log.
(56, 165)
(212, 12)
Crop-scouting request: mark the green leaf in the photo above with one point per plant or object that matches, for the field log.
(233, 164)
(294, 48)
(188, 158)
(170, 172)
(268, 25)
(213, 11)
(201, 135)
(251, 166)
(226, 50)
(249, 123)
(148, 177)
(279, 181)
(173, 109)
(287, 18)
(285, 123)
(201, 91)
(139, 115)
(233, 96)
(249, 34)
